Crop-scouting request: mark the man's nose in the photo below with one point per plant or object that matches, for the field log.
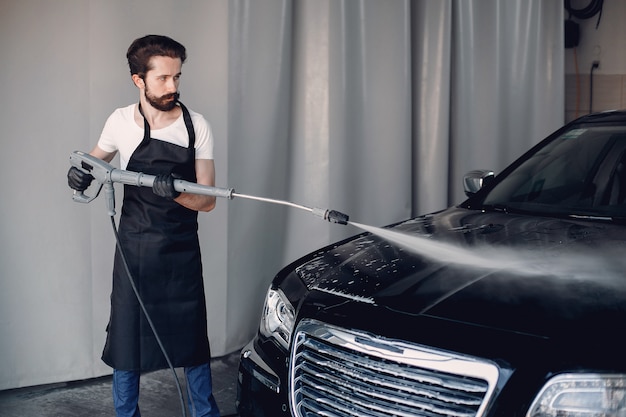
(172, 85)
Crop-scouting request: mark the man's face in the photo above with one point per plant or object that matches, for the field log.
(161, 82)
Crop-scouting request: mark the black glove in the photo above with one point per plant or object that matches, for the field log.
(78, 180)
(163, 186)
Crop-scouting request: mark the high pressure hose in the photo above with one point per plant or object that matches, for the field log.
(147, 316)
(594, 7)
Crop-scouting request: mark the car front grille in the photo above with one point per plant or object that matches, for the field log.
(339, 373)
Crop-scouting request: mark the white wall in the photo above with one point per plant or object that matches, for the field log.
(605, 89)
(606, 44)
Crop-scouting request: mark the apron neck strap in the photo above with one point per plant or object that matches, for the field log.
(189, 125)
(186, 118)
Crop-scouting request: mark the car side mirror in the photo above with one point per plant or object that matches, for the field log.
(475, 180)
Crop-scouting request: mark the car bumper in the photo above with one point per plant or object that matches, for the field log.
(260, 391)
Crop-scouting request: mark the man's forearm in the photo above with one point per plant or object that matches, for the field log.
(196, 202)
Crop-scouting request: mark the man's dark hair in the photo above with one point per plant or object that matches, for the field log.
(142, 49)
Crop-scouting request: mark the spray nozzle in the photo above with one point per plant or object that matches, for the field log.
(335, 216)
(332, 216)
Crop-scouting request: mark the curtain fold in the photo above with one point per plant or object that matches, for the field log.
(370, 110)
(259, 143)
(431, 43)
(507, 82)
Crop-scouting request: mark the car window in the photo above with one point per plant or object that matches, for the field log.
(580, 172)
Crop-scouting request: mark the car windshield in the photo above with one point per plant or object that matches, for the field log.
(582, 172)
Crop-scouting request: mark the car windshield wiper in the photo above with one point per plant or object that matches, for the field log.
(494, 207)
(599, 216)
(505, 208)
(560, 212)
(543, 210)
(590, 217)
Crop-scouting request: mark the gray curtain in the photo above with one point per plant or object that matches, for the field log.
(373, 108)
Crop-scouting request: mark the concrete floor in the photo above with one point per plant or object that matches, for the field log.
(92, 398)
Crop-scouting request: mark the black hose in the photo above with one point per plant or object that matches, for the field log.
(594, 65)
(145, 312)
(594, 7)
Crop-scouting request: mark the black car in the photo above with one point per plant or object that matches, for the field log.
(512, 303)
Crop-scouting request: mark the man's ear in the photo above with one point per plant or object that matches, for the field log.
(138, 81)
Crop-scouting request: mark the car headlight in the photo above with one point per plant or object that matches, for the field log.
(278, 317)
(581, 395)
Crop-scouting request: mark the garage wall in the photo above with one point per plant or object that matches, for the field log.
(604, 42)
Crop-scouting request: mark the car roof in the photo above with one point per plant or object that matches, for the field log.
(605, 116)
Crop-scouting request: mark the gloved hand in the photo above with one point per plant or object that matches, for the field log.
(78, 180)
(163, 186)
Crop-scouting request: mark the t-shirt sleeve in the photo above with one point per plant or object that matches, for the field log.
(204, 138)
(107, 140)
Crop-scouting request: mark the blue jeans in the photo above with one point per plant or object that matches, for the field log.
(199, 391)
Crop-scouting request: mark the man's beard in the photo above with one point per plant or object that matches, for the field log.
(163, 103)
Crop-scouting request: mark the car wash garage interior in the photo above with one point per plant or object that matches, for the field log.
(362, 108)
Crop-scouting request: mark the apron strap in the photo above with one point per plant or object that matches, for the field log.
(189, 124)
(186, 118)
(146, 125)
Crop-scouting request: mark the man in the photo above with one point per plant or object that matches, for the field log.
(158, 231)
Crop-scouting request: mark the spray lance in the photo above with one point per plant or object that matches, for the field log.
(105, 175)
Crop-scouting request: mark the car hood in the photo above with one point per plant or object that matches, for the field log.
(533, 275)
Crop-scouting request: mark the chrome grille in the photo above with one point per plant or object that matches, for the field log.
(340, 373)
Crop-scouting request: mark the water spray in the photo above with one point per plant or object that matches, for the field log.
(105, 175)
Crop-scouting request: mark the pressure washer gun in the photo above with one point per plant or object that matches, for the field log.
(105, 175)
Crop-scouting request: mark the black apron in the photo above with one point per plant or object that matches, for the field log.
(160, 241)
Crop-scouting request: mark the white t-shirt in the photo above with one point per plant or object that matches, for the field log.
(121, 133)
